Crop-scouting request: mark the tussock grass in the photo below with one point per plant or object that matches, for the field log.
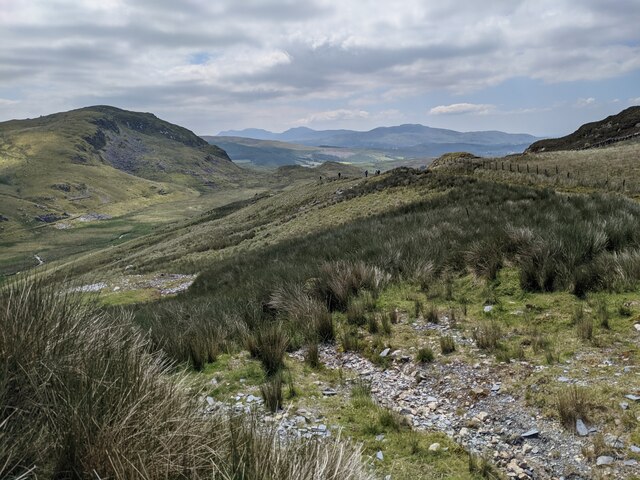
(487, 336)
(572, 403)
(425, 355)
(447, 344)
(84, 395)
(272, 393)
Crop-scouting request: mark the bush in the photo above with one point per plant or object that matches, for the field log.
(272, 393)
(447, 344)
(425, 355)
(572, 404)
(372, 324)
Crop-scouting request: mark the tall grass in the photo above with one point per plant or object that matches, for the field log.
(82, 395)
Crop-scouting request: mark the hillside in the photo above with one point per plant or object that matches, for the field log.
(408, 140)
(622, 126)
(82, 167)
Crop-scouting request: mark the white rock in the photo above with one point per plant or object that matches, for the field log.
(380, 455)
(434, 447)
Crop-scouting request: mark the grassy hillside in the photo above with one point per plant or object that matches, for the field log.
(614, 128)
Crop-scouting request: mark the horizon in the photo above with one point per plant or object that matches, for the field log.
(541, 68)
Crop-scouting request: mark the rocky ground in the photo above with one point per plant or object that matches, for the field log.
(467, 401)
(163, 283)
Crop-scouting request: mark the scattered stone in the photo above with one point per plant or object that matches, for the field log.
(211, 401)
(637, 327)
(533, 433)
(434, 447)
(630, 463)
(495, 387)
(380, 455)
(329, 392)
(581, 428)
(385, 352)
(3, 218)
(379, 438)
(564, 379)
(632, 397)
(624, 405)
(604, 460)
(634, 449)
(488, 308)
(478, 391)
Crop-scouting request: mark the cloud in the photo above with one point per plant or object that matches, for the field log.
(634, 101)
(332, 115)
(4, 102)
(210, 63)
(462, 109)
(585, 102)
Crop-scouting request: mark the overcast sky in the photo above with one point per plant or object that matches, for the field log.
(535, 66)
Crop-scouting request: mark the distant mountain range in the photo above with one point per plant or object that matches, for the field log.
(409, 141)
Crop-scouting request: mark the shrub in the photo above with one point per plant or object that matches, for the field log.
(487, 336)
(447, 344)
(425, 355)
(572, 404)
(394, 316)
(271, 392)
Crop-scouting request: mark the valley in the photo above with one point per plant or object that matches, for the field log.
(479, 318)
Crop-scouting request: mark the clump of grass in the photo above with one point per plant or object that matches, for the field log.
(342, 280)
(584, 328)
(394, 316)
(481, 466)
(602, 313)
(508, 353)
(539, 341)
(447, 344)
(357, 312)
(425, 355)
(350, 340)
(372, 324)
(487, 336)
(269, 345)
(578, 314)
(389, 420)
(418, 308)
(550, 355)
(312, 356)
(431, 315)
(572, 403)
(385, 325)
(624, 310)
(271, 392)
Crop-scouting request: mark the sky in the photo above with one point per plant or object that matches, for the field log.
(523, 66)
